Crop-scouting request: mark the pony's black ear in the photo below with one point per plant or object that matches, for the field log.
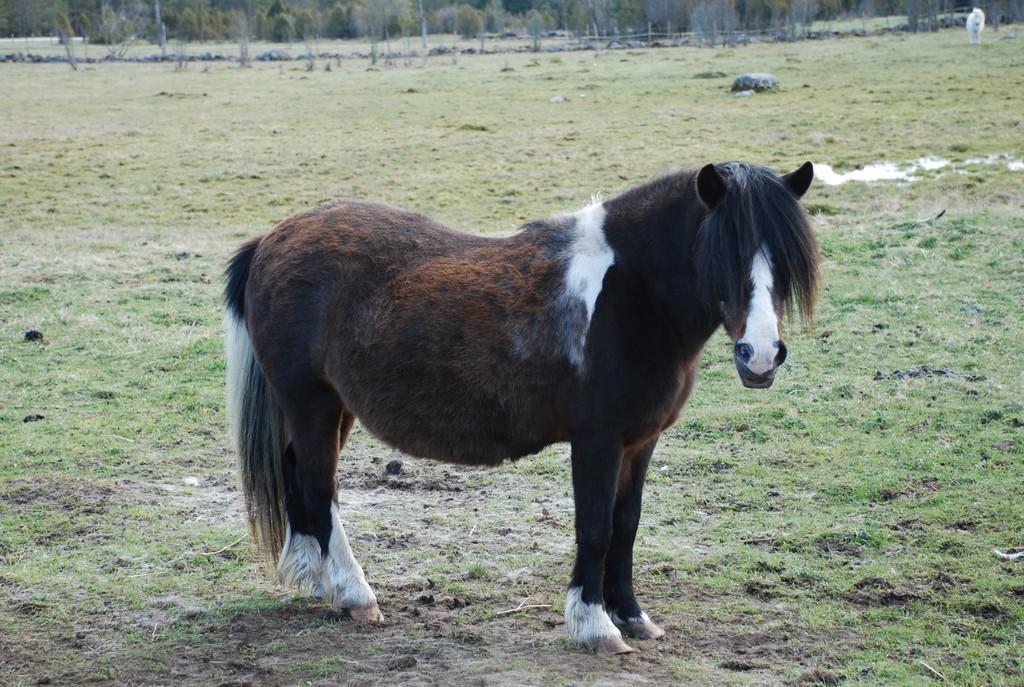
(800, 180)
(710, 185)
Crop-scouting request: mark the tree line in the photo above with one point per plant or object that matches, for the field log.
(112, 21)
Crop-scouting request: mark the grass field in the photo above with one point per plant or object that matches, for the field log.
(837, 529)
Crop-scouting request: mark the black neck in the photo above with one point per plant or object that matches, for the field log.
(653, 230)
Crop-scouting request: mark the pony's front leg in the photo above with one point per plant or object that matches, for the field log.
(595, 470)
(618, 573)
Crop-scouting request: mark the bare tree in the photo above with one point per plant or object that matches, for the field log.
(802, 14)
(713, 18)
(307, 39)
(243, 32)
(657, 11)
(702, 19)
(535, 27)
(922, 14)
(495, 17)
(374, 19)
(66, 35)
(598, 12)
(423, 28)
(118, 27)
(180, 62)
(26, 14)
(161, 30)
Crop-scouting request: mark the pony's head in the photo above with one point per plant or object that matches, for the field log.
(757, 259)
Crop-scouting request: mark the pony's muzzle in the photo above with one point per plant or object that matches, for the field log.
(757, 372)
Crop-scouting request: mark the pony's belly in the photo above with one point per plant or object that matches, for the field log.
(462, 433)
(452, 398)
(459, 447)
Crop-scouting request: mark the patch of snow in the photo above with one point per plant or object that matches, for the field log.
(892, 171)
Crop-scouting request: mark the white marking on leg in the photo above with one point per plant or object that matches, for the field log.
(300, 563)
(762, 329)
(587, 622)
(343, 583)
(589, 257)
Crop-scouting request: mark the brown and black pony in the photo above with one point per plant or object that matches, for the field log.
(586, 328)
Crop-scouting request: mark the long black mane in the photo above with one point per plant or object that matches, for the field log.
(758, 208)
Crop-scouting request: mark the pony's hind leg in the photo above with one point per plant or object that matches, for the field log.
(316, 553)
(619, 598)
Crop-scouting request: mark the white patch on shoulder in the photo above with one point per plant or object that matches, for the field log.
(589, 257)
(762, 329)
(343, 583)
(587, 622)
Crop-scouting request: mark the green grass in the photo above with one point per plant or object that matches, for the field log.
(838, 527)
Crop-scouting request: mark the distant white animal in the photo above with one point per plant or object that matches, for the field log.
(975, 25)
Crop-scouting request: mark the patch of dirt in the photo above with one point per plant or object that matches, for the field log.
(913, 488)
(819, 678)
(942, 582)
(430, 646)
(397, 474)
(877, 591)
(742, 666)
(767, 542)
(963, 526)
(988, 611)
(926, 371)
(837, 543)
(770, 648)
(908, 525)
(66, 493)
(197, 501)
(761, 589)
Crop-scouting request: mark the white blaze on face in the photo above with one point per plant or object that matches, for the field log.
(762, 329)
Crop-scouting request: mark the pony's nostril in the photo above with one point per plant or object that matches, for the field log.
(743, 352)
(780, 357)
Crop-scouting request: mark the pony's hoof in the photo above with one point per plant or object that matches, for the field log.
(641, 628)
(370, 614)
(609, 645)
